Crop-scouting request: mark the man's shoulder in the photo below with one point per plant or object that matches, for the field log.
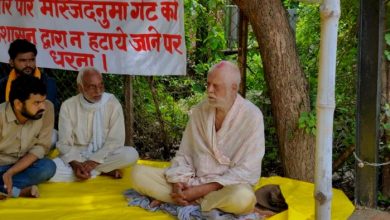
(3, 106)
(2, 113)
(49, 108)
(251, 111)
(71, 100)
(251, 106)
(49, 104)
(113, 101)
(112, 98)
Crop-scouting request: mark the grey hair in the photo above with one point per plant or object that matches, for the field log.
(80, 75)
(229, 68)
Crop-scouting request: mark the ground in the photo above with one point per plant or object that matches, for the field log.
(369, 214)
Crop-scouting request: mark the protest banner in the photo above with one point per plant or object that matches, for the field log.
(137, 37)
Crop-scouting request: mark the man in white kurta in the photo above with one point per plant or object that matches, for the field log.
(91, 133)
(219, 159)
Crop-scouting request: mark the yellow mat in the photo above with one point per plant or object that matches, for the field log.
(101, 199)
(301, 205)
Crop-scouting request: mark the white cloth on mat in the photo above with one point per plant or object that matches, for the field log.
(64, 172)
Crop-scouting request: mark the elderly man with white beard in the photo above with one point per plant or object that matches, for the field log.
(220, 155)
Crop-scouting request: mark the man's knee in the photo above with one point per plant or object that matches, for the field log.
(244, 200)
(126, 156)
(46, 169)
(145, 176)
(236, 199)
(130, 155)
(137, 176)
(150, 181)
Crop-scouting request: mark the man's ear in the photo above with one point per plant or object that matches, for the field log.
(11, 63)
(235, 87)
(18, 104)
(80, 88)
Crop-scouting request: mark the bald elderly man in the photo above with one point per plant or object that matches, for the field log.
(219, 159)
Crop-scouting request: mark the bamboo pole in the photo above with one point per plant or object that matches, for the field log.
(330, 14)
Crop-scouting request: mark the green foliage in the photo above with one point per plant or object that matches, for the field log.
(205, 38)
(308, 41)
(384, 146)
(307, 121)
(383, 200)
(387, 40)
(386, 111)
(290, 4)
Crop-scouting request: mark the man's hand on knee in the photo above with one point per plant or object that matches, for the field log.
(193, 193)
(7, 180)
(177, 194)
(80, 170)
(90, 165)
(179, 187)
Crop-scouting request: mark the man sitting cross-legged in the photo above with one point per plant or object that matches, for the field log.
(26, 125)
(219, 159)
(91, 133)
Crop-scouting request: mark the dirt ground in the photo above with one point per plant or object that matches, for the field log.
(362, 213)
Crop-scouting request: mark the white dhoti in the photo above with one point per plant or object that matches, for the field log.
(118, 159)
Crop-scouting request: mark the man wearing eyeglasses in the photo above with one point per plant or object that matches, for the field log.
(91, 133)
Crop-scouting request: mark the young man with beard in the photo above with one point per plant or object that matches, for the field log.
(26, 124)
(219, 159)
(22, 59)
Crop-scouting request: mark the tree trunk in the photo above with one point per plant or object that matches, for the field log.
(242, 51)
(129, 109)
(287, 84)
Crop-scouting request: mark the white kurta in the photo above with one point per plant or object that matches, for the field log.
(75, 129)
(75, 135)
(230, 156)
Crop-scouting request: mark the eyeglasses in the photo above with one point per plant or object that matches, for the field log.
(94, 87)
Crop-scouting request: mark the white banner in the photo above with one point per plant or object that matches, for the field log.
(137, 37)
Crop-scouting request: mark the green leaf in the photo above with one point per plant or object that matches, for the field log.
(387, 54)
(386, 126)
(387, 38)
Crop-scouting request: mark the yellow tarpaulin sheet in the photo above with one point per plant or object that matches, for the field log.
(300, 200)
(101, 199)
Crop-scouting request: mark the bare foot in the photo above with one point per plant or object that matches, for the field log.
(155, 203)
(3, 196)
(116, 174)
(31, 192)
